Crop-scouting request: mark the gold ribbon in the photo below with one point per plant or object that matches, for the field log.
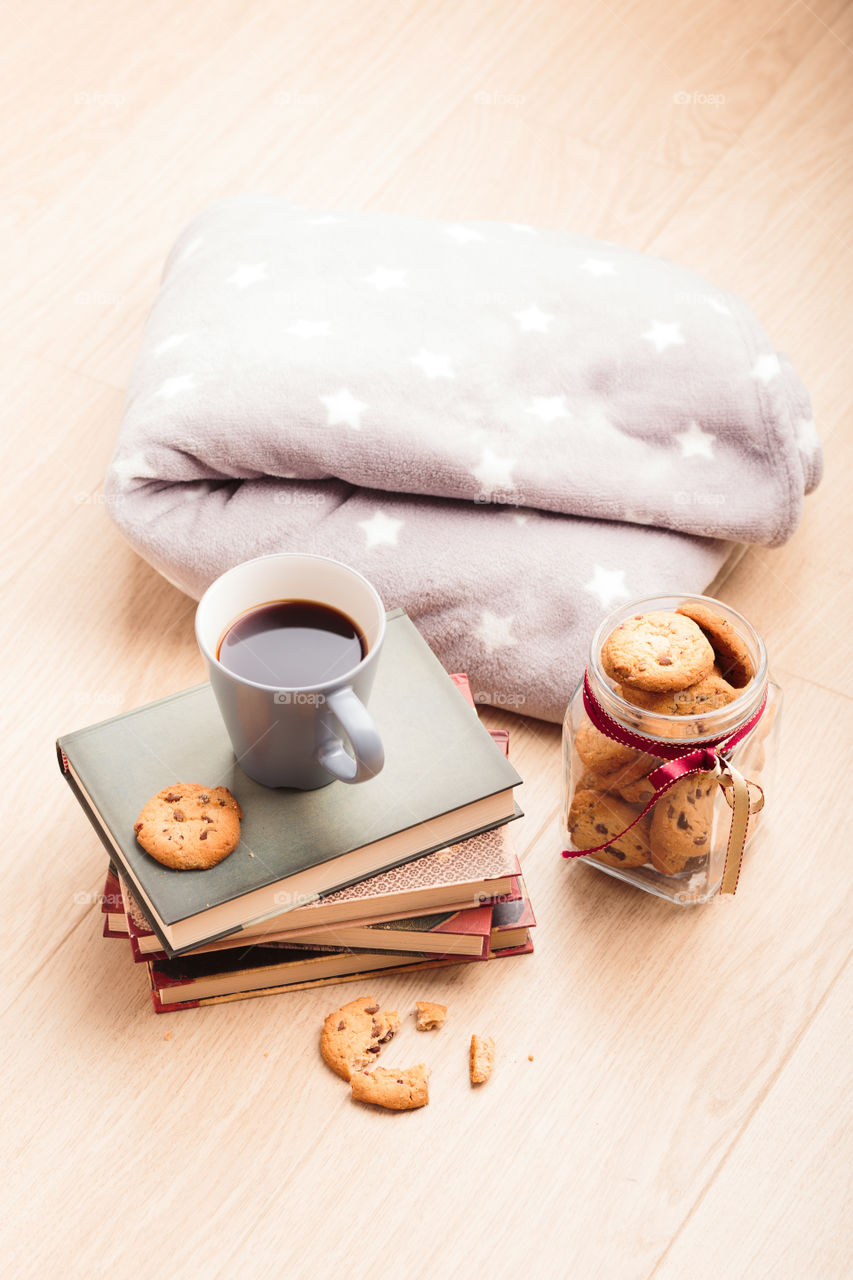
(736, 791)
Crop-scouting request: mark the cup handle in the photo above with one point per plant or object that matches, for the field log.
(358, 726)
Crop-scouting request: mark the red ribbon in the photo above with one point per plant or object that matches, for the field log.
(681, 760)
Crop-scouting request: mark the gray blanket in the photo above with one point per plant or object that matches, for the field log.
(508, 430)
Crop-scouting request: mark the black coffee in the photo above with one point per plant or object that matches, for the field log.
(291, 643)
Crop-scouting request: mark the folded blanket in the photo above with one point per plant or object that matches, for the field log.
(508, 430)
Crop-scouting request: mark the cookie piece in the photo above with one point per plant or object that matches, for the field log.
(733, 657)
(657, 651)
(599, 753)
(189, 827)
(429, 1016)
(594, 817)
(354, 1034)
(481, 1058)
(707, 694)
(403, 1090)
(681, 823)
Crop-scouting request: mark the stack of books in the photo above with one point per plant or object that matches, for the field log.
(412, 869)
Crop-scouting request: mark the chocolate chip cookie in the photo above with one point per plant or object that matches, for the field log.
(402, 1090)
(707, 694)
(189, 827)
(595, 817)
(354, 1034)
(733, 657)
(682, 823)
(657, 651)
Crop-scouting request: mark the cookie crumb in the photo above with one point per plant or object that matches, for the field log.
(481, 1058)
(429, 1016)
(530, 1057)
(166, 1036)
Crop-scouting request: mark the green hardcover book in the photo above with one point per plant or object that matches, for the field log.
(444, 779)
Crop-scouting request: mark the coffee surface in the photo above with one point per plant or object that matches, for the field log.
(291, 644)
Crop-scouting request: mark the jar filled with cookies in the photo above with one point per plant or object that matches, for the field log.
(667, 746)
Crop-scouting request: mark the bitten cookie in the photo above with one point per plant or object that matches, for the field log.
(481, 1058)
(681, 823)
(429, 1016)
(733, 656)
(657, 651)
(397, 1090)
(594, 818)
(707, 694)
(189, 827)
(354, 1034)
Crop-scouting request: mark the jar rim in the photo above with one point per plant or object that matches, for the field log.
(695, 726)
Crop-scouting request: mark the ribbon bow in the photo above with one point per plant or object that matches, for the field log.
(680, 762)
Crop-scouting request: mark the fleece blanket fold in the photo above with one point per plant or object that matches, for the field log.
(508, 430)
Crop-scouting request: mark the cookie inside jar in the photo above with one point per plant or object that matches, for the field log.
(667, 678)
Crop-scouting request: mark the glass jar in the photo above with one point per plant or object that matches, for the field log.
(675, 846)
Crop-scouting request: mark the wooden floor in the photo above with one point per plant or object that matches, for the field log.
(687, 1112)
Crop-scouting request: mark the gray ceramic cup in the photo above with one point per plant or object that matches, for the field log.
(294, 736)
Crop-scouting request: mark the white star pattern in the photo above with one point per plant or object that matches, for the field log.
(248, 273)
(310, 329)
(384, 278)
(173, 386)
(494, 472)
(169, 343)
(598, 267)
(344, 409)
(766, 367)
(432, 364)
(696, 443)
(808, 441)
(532, 320)
(463, 235)
(608, 585)
(494, 632)
(549, 408)
(522, 226)
(664, 335)
(381, 530)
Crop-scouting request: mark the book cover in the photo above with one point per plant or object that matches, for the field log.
(443, 780)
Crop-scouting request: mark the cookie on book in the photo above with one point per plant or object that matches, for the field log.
(658, 651)
(402, 1090)
(429, 1016)
(189, 827)
(354, 1034)
(481, 1058)
(733, 656)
